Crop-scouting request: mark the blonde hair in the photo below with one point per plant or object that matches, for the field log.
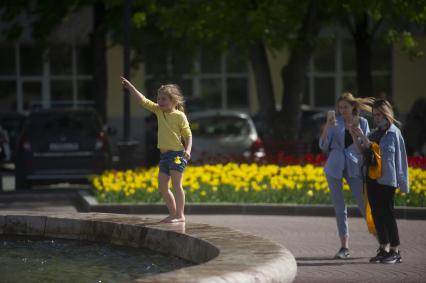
(385, 107)
(175, 94)
(357, 103)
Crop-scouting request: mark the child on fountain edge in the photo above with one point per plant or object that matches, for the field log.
(174, 143)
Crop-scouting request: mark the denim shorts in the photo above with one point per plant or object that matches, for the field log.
(172, 160)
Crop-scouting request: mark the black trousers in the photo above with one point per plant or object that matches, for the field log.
(381, 198)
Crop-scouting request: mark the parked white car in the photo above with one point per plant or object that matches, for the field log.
(224, 135)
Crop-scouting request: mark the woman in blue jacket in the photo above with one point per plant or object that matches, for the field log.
(394, 173)
(344, 160)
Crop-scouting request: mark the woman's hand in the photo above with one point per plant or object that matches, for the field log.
(357, 134)
(356, 131)
(331, 119)
(329, 123)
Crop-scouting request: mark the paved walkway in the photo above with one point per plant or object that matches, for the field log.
(313, 242)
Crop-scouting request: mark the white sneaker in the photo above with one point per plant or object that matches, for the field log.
(343, 253)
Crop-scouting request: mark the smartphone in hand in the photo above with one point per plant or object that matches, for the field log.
(355, 121)
(331, 117)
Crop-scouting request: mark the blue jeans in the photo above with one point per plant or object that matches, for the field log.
(340, 209)
(172, 160)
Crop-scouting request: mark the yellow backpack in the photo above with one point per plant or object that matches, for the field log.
(375, 171)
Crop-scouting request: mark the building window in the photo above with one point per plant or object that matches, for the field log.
(219, 80)
(33, 77)
(332, 71)
(8, 95)
(60, 58)
(7, 75)
(7, 59)
(32, 93)
(30, 60)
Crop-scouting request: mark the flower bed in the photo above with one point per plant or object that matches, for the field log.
(247, 183)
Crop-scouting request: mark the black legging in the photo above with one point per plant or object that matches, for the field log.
(381, 198)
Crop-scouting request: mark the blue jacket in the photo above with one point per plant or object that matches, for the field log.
(394, 160)
(339, 157)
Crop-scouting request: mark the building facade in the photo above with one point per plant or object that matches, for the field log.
(61, 75)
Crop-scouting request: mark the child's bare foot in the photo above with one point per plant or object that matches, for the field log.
(168, 219)
(178, 220)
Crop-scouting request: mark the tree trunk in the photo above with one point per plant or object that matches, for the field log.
(99, 59)
(294, 73)
(265, 93)
(363, 43)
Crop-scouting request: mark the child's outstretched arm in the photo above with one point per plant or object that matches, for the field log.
(131, 88)
(145, 102)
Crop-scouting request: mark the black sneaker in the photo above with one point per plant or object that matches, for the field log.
(392, 257)
(343, 253)
(381, 254)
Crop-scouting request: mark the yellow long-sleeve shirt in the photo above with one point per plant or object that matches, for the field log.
(171, 126)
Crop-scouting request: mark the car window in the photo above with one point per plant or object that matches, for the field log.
(220, 126)
(78, 123)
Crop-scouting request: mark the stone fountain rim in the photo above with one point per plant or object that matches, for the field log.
(223, 254)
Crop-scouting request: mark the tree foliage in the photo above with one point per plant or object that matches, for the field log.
(391, 21)
(253, 26)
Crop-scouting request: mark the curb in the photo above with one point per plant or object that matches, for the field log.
(89, 203)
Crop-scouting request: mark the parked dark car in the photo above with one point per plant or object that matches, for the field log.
(312, 122)
(414, 129)
(219, 135)
(12, 123)
(61, 145)
(4, 146)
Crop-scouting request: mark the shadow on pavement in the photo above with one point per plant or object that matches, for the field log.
(321, 261)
